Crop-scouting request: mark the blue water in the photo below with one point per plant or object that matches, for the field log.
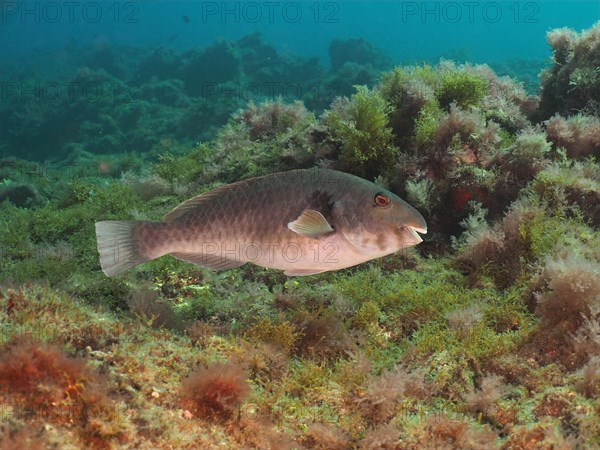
(481, 31)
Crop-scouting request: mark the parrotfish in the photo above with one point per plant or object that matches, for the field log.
(303, 221)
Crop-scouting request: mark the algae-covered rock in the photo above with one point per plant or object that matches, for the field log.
(572, 83)
(21, 195)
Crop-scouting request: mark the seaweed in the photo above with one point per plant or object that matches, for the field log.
(361, 127)
(215, 391)
(325, 437)
(463, 88)
(572, 83)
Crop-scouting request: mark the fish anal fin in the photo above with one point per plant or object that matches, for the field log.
(210, 261)
(311, 224)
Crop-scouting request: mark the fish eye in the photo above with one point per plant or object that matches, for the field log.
(381, 200)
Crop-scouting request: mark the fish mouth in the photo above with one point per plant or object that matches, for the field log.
(412, 234)
(419, 229)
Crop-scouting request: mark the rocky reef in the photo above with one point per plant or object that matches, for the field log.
(118, 99)
(487, 335)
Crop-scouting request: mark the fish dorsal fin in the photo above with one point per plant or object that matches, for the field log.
(215, 262)
(311, 224)
(189, 205)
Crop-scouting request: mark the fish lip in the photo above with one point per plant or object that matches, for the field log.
(414, 230)
(411, 234)
(415, 235)
(420, 230)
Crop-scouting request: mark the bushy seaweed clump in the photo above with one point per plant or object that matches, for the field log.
(40, 383)
(377, 402)
(25, 369)
(572, 83)
(485, 398)
(270, 137)
(309, 325)
(441, 431)
(214, 391)
(573, 290)
(463, 88)
(578, 135)
(572, 186)
(589, 384)
(360, 128)
(504, 250)
(325, 437)
(553, 213)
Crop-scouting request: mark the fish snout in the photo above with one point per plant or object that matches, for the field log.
(414, 220)
(413, 225)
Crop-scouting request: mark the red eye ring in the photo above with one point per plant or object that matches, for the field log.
(381, 200)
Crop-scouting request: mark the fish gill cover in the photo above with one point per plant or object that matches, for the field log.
(485, 335)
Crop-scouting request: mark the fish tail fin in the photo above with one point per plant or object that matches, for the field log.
(117, 247)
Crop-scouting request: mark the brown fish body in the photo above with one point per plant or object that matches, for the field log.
(303, 221)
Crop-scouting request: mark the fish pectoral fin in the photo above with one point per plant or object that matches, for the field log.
(211, 261)
(311, 224)
(302, 272)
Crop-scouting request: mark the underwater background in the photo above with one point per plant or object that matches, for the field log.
(485, 116)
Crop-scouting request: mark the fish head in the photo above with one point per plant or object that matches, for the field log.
(381, 222)
(389, 213)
